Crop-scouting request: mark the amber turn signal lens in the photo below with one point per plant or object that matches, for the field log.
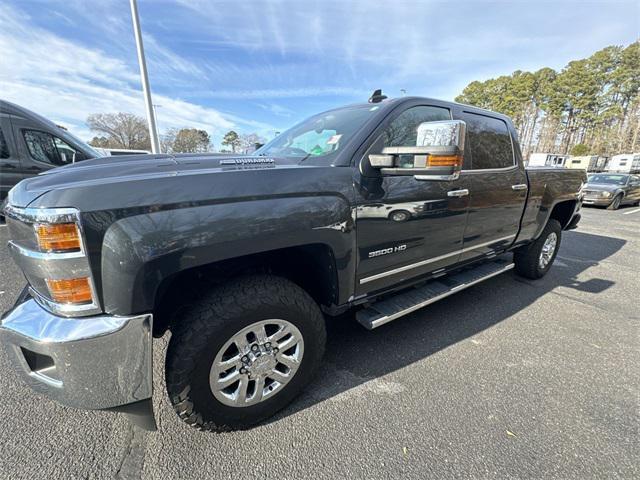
(444, 160)
(58, 237)
(75, 290)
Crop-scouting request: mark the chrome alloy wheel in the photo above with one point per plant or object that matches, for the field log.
(548, 249)
(256, 363)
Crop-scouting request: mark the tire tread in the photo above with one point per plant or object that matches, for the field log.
(526, 258)
(193, 326)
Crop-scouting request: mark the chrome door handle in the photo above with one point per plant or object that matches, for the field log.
(458, 193)
(520, 186)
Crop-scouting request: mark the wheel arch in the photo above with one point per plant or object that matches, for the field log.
(563, 212)
(141, 253)
(312, 266)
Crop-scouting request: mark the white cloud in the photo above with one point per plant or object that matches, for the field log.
(423, 46)
(292, 57)
(66, 82)
(286, 92)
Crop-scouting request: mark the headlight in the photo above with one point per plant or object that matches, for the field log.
(58, 237)
(605, 194)
(48, 245)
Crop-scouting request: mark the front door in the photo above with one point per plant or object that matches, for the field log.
(498, 190)
(633, 193)
(406, 227)
(10, 166)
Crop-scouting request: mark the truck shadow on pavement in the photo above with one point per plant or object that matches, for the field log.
(355, 357)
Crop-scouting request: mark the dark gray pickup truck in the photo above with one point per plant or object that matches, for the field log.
(382, 207)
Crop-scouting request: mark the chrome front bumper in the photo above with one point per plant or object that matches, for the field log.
(98, 362)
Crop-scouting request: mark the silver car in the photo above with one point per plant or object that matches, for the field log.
(612, 190)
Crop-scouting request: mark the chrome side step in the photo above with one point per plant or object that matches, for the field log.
(409, 301)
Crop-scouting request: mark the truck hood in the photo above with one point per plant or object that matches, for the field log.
(130, 168)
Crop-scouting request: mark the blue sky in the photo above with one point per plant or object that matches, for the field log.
(261, 66)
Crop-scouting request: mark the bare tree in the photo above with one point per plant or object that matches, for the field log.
(249, 142)
(121, 130)
(167, 139)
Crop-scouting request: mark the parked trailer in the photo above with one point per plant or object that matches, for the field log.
(547, 160)
(590, 163)
(625, 162)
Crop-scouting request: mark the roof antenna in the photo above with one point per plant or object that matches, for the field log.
(377, 96)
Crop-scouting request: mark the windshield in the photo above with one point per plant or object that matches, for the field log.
(609, 179)
(88, 149)
(322, 135)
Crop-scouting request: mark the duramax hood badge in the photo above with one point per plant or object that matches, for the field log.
(246, 161)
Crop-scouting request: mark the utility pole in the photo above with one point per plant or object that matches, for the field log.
(153, 133)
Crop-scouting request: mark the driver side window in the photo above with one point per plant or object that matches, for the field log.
(403, 131)
(46, 148)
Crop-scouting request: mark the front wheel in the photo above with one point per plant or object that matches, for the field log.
(534, 260)
(615, 203)
(243, 352)
(399, 216)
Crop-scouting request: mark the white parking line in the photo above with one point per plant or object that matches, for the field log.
(632, 211)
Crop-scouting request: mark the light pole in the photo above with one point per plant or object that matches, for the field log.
(153, 133)
(156, 106)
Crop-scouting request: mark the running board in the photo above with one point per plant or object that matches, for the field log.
(406, 302)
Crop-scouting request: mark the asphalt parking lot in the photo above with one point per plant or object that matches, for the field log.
(510, 378)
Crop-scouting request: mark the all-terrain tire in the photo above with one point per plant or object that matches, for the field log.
(527, 258)
(201, 329)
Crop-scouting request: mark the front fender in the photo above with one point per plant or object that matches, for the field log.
(140, 251)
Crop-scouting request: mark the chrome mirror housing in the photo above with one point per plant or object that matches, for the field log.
(438, 154)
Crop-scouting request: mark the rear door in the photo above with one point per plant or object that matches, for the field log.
(10, 166)
(498, 188)
(633, 194)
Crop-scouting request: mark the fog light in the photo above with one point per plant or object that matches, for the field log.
(58, 237)
(75, 290)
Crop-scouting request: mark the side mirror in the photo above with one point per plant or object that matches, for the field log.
(438, 153)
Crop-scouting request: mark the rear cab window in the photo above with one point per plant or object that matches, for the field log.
(4, 147)
(489, 142)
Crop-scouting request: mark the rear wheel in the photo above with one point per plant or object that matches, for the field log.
(615, 203)
(243, 352)
(534, 260)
